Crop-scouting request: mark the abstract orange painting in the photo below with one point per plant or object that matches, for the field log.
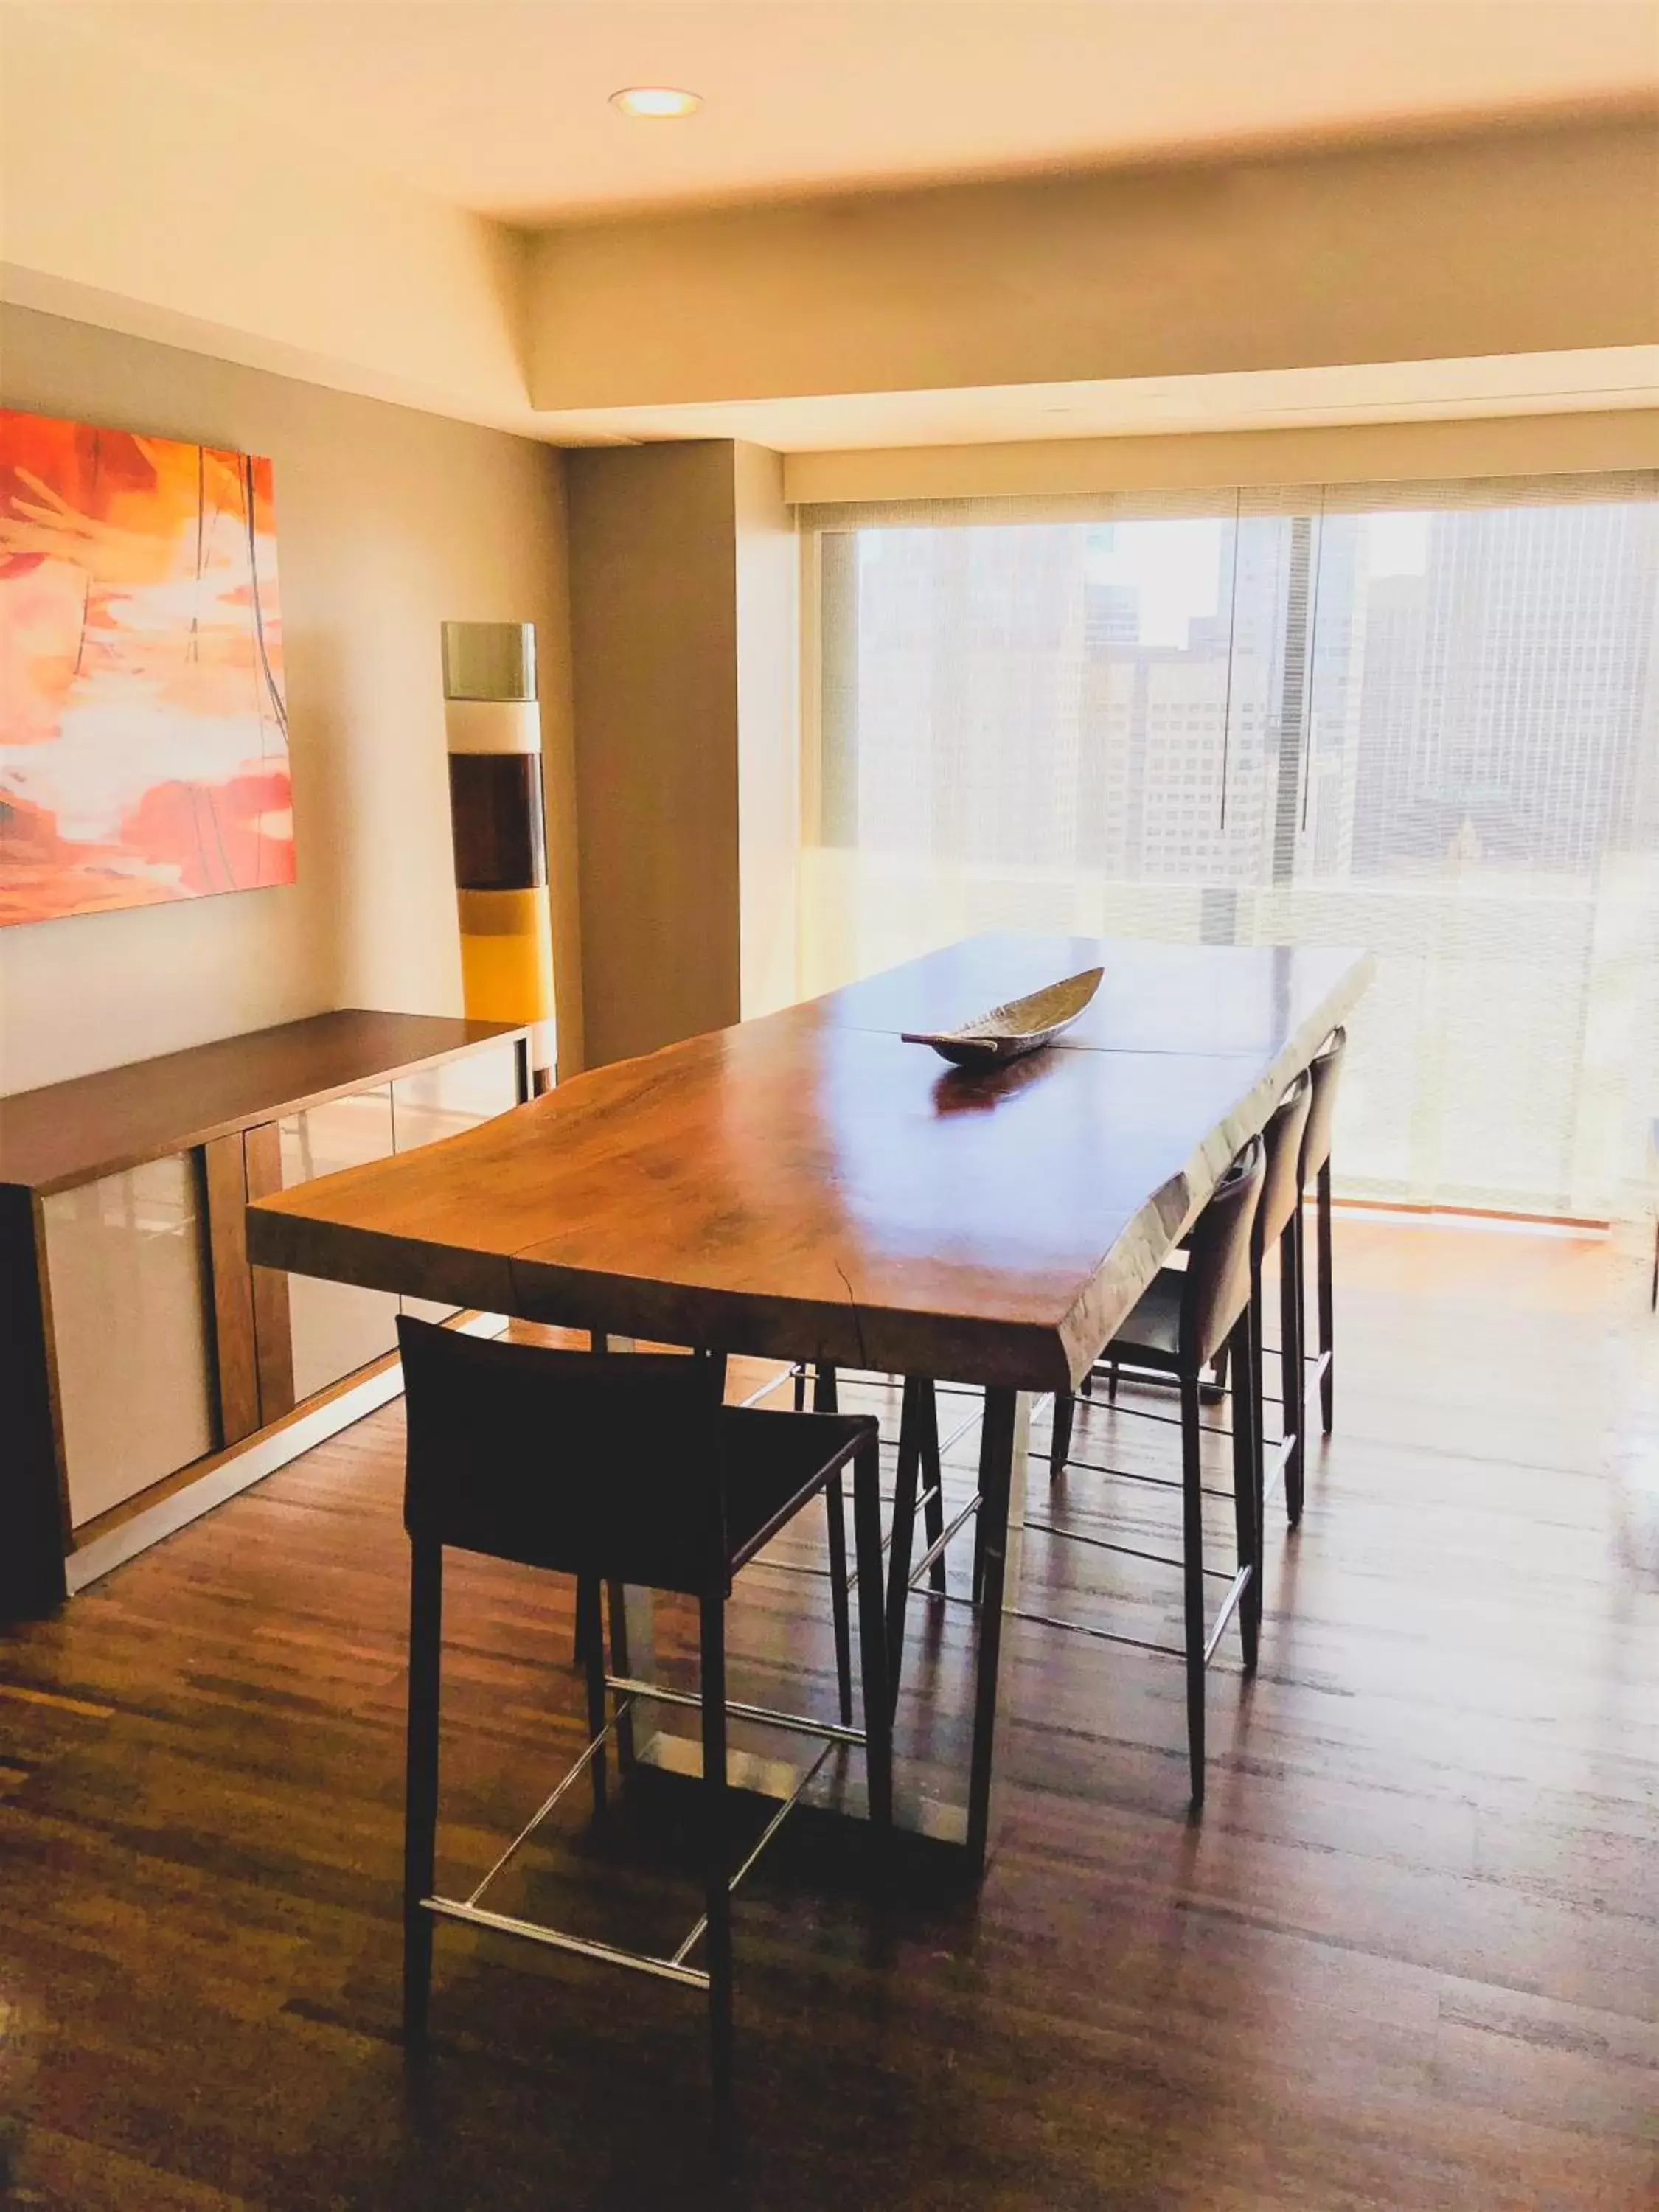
(143, 733)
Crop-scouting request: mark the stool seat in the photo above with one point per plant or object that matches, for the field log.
(774, 1463)
(1153, 1327)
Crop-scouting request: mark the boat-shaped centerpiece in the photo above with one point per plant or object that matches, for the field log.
(1023, 1025)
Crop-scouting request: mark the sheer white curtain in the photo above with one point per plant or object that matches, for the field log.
(1421, 719)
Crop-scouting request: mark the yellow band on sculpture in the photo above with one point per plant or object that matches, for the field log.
(507, 955)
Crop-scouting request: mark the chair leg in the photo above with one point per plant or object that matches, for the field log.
(1060, 1449)
(579, 1653)
(616, 1603)
(976, 1584)
(1259, 1466)
(932, 1478)
(590, 1634)
(1299, 1229)
(421, 1780)
(825, 1401)
(835, 1503)
(800, 1389)
(1293, 1378)
(717, 1902)
(597, 1341)
(873, 1630)
(1192, 1518)
(1327, 1302)
(1258, 1392)
(904, 1523)
(1247, 1514)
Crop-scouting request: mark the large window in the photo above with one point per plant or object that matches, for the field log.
(1424, 722)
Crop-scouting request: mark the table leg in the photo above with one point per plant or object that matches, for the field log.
(955, 1811)
(1004, 1441)
(668, 1737)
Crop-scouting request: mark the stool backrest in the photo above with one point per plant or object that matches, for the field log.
(1325, 1070)
(596, 1464)
(1218, 1286)
(1281, 1182)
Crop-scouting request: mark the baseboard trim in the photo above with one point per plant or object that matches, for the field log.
(239, 1472)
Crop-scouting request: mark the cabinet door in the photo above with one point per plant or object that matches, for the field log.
(335, 1328)
(130, 1306)
(441, 1101)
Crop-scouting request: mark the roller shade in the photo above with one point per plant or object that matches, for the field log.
(1423, 718)
(1137, 506)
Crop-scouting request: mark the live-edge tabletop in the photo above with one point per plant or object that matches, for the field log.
(807, 1186)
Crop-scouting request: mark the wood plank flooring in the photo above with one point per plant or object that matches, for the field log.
(1410, 1960)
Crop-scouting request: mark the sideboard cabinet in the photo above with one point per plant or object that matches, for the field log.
(136, 1340)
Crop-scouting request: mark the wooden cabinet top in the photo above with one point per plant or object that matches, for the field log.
(97, 1125)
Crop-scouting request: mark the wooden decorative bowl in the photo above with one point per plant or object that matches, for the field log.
(1023, 1025)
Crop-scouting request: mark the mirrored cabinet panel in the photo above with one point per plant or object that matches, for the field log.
(335, 1328)
(127, 1276)
(139, 1348)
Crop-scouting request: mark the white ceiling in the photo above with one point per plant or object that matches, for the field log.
(500, 106)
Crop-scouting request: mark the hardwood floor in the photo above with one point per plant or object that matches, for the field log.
(1410, 1960)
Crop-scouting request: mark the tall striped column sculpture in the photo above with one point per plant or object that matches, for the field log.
(495, 738)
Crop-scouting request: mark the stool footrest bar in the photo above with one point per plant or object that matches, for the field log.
(1128, 1551)
(1169, 1421)
(937, 1546)
(1100, 1635)
(624, 1685)
(1128, 1474)
(761, 1842)
(666, 1970)
(551, 1801)
(1229, 1607)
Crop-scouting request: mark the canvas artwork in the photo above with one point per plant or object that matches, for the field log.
(144, 734)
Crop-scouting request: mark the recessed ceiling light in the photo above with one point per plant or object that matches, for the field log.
(655, 102)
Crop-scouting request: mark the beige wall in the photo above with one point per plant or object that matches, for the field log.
(769, 733)
(388, 521)
(684, 635)
(654, 658)
(1521, 242)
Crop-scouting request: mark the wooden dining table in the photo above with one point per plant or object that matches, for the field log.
(808, 1186)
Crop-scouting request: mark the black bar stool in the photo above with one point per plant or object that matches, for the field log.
(1184, 1319)
(1276, 1222)
(835, 1514)
(622, 1469)
(1326, 1072)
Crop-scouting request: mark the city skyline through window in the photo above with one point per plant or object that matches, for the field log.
(1433, 731)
